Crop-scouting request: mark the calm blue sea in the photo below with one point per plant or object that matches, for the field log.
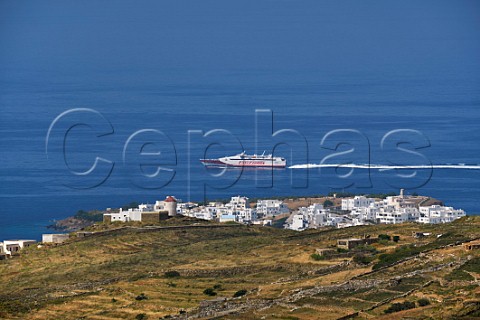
(320, 67)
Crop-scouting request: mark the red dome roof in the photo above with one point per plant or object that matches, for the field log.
(170, 199)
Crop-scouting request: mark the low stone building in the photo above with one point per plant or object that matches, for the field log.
(473, 245)
(55, 237)
(418, 235)
(325, 252)
(352, 243)
(154, 217)
(137, 215)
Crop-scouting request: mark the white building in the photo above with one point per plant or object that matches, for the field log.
(271, 208)
(365, 214)
(392, 215)
(298, 223)
(315, 215)
(135, 214)
(336, 220)
(357, 202)
(186, 208)
(146, 207)
(228, 218)
(205, 215)
(10, 247)
(439, 214)
(246, 215)
(393, 209)
(238, 203)
(169, 204)
(55, 237)
(125, 215)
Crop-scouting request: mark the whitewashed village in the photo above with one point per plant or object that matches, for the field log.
(350, 211)
(354, 211)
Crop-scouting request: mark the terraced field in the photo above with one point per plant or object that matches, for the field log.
(128, 273)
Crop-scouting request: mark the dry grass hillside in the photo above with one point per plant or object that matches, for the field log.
(195, 272)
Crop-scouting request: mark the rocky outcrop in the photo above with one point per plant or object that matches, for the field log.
(70, 224)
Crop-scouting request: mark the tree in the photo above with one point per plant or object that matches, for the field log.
(361, 259)
(141, 296)
(240, 293)
(209, 292)
(172, 274)
(396, 238)
(384, 237)
(131, 205)
(396, 307)
(423, 302)
(328, 203)
(317, 257)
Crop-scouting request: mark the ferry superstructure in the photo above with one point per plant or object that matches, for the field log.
(245, 160)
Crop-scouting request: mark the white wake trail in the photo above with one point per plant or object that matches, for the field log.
(382, 167)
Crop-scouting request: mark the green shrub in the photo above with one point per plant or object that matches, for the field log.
(317, 257)
(341, 250)
(279, 223)
(217, 286)
(141, 316)
(423, 302)
(93, 215)
(396, 307)
(209, 292)
(366, 247)
(399, 254)
(462, 272)
(361, 259)
(172, 274)
(384, 237)
(240, 293)
(131, 205)
(396, 238)
(328, 203)
(141, 296)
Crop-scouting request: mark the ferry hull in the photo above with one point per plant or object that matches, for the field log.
(245, 160)
(243, 163)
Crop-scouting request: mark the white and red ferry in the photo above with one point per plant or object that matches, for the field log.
(245, 160)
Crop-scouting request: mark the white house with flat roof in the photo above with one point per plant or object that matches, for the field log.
(246, 215)
(11, 247)
(205, 215)
(227, 217)
(55, 237)
(147, 207)
(125, 215)
(357, 202)
(271, 208)
(298, 223)
(439, 214)
(238, 203)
